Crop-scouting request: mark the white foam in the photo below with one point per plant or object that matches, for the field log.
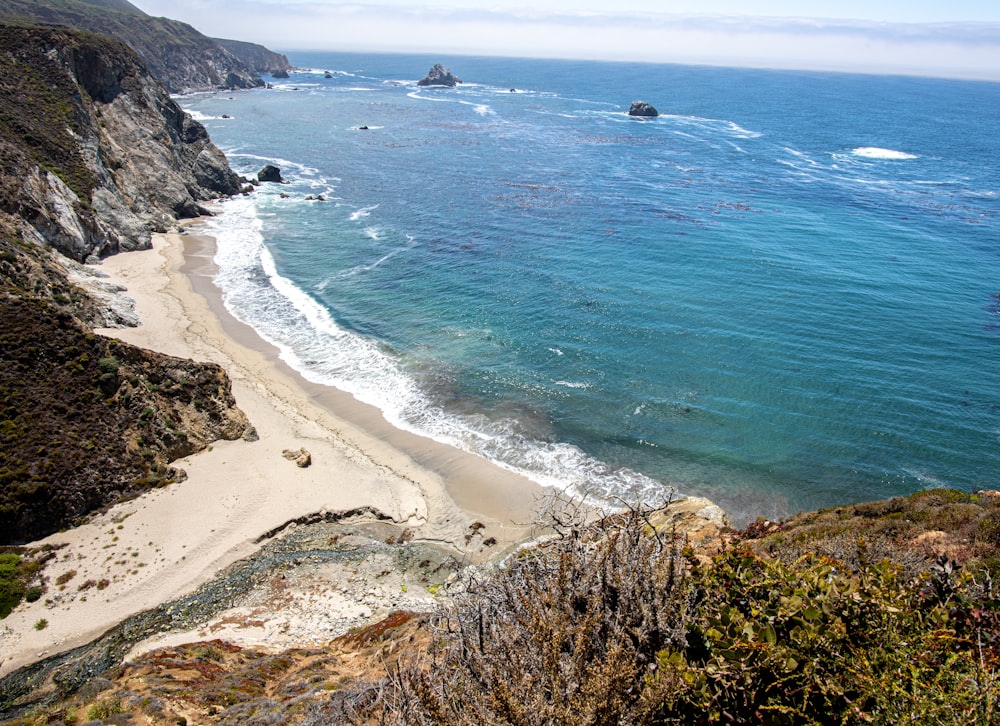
(311, 341)
(362, 213)
(202, 117)
(874, 152)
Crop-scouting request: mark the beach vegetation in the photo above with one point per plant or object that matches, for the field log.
(11, 583)
(20, 576)
(105, 709)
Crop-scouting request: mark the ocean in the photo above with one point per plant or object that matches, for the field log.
(782, 293)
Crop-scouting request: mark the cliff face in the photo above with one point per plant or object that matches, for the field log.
(258, 58)
(176, 54)
(94, 154)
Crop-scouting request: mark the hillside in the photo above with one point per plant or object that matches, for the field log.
(95, 156)
(179, 56)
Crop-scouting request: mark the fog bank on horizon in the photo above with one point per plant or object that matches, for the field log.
(947, 49)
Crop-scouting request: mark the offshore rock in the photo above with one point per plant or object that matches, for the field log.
(641, 108)
(270, 173)
(439, 76)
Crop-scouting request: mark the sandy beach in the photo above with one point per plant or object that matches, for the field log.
(169, 541)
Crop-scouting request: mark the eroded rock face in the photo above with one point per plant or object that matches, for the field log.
(641, 108)
(102, 157)
(439, 76)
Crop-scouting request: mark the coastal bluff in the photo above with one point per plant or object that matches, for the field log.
(175, 53)
(95, 154)
(94, 158)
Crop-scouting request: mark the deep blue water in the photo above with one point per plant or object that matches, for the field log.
(782, 293)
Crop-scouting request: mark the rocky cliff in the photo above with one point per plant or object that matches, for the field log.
(179, 56)
(94, 155)
(256, 57)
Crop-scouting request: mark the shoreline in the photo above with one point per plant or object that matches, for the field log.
(169, 541)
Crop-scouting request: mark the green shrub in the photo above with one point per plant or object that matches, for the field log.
(105, 709)
(33, 594)
(11, 583)
(108, 365)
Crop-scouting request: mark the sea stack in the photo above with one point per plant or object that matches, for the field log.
(641, 108)
(439, 76)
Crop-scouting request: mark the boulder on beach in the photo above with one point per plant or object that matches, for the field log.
(270, 173)
(439, 76)
(641, 108)
(302, 457)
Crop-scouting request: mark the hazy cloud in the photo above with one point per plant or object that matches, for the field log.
(944, 48)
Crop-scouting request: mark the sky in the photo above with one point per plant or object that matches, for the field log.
(951, 38)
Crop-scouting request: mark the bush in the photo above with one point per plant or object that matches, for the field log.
(567, 634)
(613, 627)
(11, 583)
(108, 365)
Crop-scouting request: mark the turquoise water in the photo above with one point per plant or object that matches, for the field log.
(782, 293)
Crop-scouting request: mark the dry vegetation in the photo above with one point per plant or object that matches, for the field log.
(882, 613)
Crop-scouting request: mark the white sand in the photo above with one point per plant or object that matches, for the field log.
(164, 544)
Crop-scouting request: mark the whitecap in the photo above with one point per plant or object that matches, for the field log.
(875, 152)
(362, 213)
(573, 384)
(201, 117)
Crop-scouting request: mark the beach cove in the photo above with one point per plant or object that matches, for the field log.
(240, 494)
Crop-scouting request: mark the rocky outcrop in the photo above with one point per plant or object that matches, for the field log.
(641, 108)
(280, 73)
(439, 76)
(176, 54)
(94, 154)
